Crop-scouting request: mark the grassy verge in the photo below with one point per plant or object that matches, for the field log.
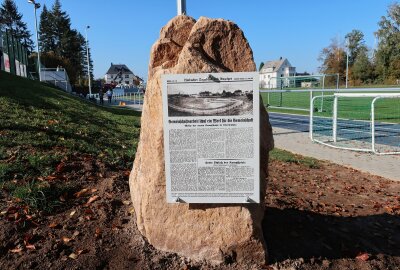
(288, 157)
(277, 110)
(42, 127)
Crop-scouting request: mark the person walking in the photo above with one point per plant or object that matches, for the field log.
(101, 96)
(109, 96)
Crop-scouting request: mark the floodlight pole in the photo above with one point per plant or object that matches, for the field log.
(181, 7)
(88, 61)
(347, 62)
(35, 7)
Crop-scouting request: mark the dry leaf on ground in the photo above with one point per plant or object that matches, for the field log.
(363, 256)
(73, 256)
(66, 239)
(53, 225)
(81, 193)
(31, 247)
(92, 199)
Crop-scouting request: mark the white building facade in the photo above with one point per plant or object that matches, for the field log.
(121, 75)
(273, 72)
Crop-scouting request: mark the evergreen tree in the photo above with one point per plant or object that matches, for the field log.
(57, 36)
(73, 48)
(61, 28)
(47, 30)
(11, 19)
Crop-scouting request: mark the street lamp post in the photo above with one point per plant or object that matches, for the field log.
(88, 61)
(35, 7)
(181, 7)
(347, 62)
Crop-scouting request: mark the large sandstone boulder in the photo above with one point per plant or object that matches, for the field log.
(215, 232)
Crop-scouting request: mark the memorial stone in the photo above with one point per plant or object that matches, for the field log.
(212, 232)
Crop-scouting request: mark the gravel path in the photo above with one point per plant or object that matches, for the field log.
(299, 143)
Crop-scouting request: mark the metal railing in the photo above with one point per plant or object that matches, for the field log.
(355, 121)
(57, 76)
(323, 81)
(134, 99)
(300, 99)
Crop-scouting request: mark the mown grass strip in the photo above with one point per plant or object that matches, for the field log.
(288, 157)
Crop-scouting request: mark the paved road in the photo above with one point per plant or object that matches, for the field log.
(290, 121)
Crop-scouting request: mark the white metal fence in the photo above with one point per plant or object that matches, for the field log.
(368, 122)
(133, 99)
(300, 99)
(322, 81)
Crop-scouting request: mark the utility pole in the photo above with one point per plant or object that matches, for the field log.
(35, 7)
(181, 7)
(347, 61)
(88, 61)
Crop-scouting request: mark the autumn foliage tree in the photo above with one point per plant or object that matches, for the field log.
(333, 59)
(387, 55)
(366, 66)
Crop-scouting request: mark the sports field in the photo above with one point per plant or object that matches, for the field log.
(387, 110)
(289, 100)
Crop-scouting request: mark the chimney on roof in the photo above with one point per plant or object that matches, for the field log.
(280, 58)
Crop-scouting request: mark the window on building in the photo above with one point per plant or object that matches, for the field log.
(127, 76)
(126, 82)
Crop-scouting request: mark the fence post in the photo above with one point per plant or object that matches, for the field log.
(373, 124)
(11, 52)
(20, 59)
(8, 66)
(311, 118)
(3, 49)
(337, 81)
(335, 107)
(323, 88)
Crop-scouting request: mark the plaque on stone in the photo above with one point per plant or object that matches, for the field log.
(211, 137)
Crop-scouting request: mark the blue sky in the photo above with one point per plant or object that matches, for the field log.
(123, 31)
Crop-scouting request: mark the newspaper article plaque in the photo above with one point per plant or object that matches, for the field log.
(211, 137)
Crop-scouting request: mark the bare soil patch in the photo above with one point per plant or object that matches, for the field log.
(318, 216)
(331, 217)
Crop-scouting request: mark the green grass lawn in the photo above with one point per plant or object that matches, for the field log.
(288, 157)
(40, 126)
